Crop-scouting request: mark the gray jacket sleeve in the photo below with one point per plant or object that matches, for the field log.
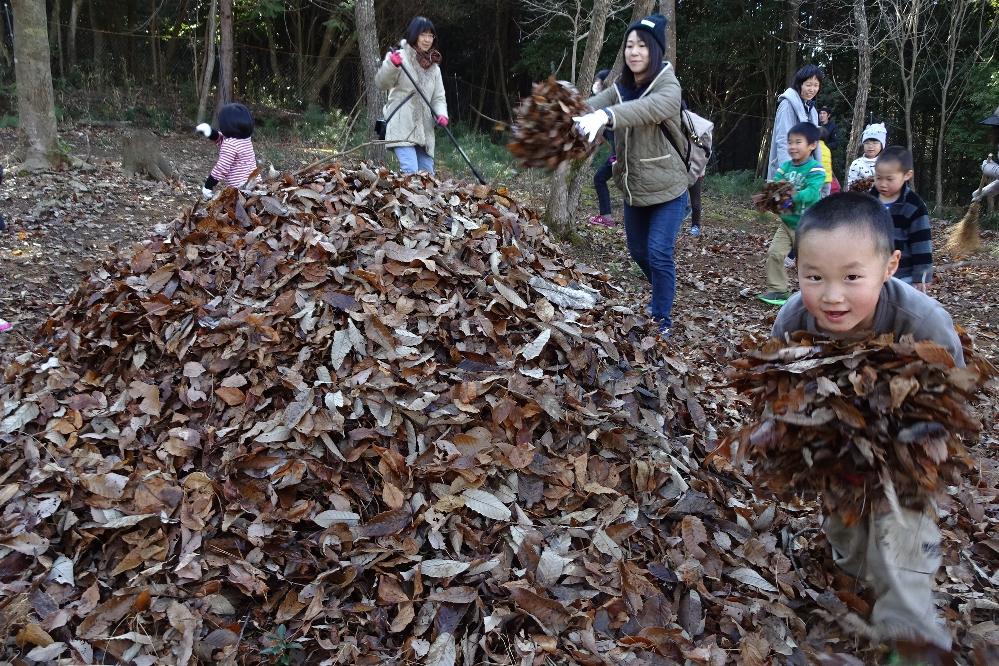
(784, 120)
(603, 99)
(439, 101)
(939, 327)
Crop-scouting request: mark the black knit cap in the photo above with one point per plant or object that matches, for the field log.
(235, 121)
(654, 25)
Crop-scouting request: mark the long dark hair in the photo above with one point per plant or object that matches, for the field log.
(655, 61)
(418, 26)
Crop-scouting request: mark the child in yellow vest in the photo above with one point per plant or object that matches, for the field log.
(831, 185)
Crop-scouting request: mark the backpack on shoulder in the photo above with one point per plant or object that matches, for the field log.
(694, 144)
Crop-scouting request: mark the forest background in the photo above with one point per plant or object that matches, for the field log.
(924, 68)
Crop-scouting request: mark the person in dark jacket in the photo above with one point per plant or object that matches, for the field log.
(825, 120)
(605, 172)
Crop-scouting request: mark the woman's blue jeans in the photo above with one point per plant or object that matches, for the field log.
(413, 159)
(651, 232)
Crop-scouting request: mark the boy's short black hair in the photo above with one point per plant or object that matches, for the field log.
(418, 26)
(859, 212)
(805, 73)
(807, 130)
(826, 109)
(896, 154)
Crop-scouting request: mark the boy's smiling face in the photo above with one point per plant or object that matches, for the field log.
(798, 148)
(841, 278)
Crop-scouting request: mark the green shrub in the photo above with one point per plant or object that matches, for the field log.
(8, 121)
(738, 185)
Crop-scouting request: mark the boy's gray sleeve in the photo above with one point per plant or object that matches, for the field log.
(939, 327)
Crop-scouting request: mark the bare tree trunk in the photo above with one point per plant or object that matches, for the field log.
(154, 40)
(792, 24)
(502, 24)
(74, 19)
(224, 93)
(55, 35)
(206, 81)
(668, 9)
(272, 52)
(863, 79)
(367, 41)
(562, 207)
(35, 100)
(98, 37)
(300, 49)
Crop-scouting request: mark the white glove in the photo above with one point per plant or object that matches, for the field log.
(206, 193)
(204, 128)
(591, 124)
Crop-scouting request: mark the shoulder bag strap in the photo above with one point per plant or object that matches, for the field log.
(401, 104)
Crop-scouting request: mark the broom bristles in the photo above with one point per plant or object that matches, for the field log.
(964, 238)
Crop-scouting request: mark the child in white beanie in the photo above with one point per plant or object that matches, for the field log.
(875, 139)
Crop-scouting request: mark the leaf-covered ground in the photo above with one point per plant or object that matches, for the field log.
(738, 577)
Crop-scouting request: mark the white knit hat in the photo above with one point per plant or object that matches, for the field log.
(876, 131)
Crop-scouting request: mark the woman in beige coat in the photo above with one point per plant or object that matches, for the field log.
(641, 107)
(410, 127)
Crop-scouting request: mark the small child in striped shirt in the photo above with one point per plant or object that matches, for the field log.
(913, 236)
(237, 160)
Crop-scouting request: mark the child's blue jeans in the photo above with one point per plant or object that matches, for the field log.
(413, 159)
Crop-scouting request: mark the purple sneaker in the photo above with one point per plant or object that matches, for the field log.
(602, 220)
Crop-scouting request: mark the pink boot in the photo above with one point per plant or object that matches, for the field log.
(603, 220)
(5, 325)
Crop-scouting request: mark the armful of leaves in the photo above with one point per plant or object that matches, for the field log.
(544, 134)
(775, 197)
(863, 184)
(856, 421)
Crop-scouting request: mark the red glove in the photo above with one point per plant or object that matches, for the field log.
(442, 121)
(395, 58)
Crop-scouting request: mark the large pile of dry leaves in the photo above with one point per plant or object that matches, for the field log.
(353, 417)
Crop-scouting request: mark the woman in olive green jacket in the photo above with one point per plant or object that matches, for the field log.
(641, 107)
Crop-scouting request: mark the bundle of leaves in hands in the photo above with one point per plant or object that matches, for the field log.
(856, 421)
(776, 197)
(544, 133)
(863, 185)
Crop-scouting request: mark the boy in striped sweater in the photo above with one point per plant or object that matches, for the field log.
(237, 159)
(892, 175)
(807, 176)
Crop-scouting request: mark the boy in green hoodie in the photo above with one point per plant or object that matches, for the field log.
(807, 175)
